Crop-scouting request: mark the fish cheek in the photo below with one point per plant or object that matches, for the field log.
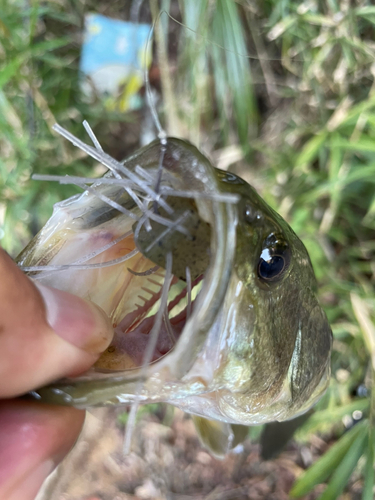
(311, 356)
(270, 343)
(276, 332)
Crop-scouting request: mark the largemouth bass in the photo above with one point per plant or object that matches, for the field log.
(211, 294)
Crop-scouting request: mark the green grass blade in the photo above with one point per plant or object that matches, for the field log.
(229, 33)
(367, 13)
(344, 470)
(364, 144)
(332, 416)
(368, 487)
(11, 69)
(311, 149)
(324, 467)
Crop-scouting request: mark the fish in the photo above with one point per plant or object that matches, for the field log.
(212, 296)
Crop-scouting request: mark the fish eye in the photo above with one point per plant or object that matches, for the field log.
(274, 260)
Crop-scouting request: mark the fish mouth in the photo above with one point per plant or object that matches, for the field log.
(134, 332)
(165, 311)
(137, 274)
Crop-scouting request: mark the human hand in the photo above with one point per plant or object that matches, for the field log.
(45, 334)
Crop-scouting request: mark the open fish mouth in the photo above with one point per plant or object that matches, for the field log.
(152, 243)
(211, 294)
(132, 334)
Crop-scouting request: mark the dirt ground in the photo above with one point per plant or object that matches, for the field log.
(168, 463)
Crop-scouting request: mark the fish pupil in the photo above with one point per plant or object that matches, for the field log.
(272, 268)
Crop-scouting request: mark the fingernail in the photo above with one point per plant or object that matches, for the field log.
(76, 320)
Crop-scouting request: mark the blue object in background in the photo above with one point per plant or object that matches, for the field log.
(113, 60)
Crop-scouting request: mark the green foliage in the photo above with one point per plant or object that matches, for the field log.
(39, 85)
(326, 418)
(212, 57)
(368, 488)
(326, 155)
(342, 456)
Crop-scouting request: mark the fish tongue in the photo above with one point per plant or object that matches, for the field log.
(127, 349)
(134, 343)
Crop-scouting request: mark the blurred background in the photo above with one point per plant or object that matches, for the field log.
(280, 92)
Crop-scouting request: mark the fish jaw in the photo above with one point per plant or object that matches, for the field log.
(217, 377)
(240, 357)
(184, 167)
(229, 363)
(220, 384)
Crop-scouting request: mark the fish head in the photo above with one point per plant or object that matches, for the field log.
(256, 345)
(274, 358)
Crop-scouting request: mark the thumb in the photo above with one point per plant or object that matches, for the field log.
(45, 334)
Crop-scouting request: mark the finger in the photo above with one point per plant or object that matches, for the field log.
(45, 334)
(34, 439)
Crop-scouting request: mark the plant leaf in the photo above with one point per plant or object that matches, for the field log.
(324, 467)
(311, 149)
(345, 469)
(368, 487)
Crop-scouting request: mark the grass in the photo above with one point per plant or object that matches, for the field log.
(299, 113)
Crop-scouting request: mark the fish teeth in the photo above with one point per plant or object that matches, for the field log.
(148, 291)
(142, 298)
(151, 280)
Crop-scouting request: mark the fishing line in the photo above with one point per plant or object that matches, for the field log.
(65, 267)
(72, 179)
(83, 181)
(162, 135)
(188, 288)
(166, 190)
(106, 247)
(107, 200)
(170, 225)
(159, 175)
(150, 348)
(134, 11)
(138, 228)
(225, 197)
(141, 171)
(92, 254)
(135, 198)
(174, 225)
(215, 44)
(169, 327)
(150, 99)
